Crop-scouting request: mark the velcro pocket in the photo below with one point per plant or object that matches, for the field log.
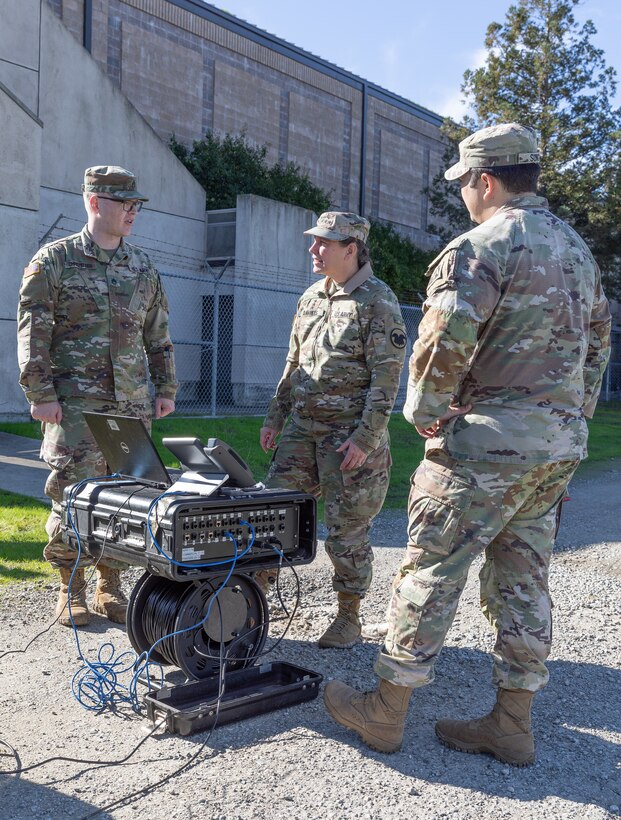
(58, 456)
(414, 590)
(362, 557)
(438, 500)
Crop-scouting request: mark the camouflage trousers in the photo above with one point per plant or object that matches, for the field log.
(72, 455)
(306, 460)
(458, 510)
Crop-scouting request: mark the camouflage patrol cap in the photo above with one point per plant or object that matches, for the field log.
(340, 225)
(498, 145)
(110, 179)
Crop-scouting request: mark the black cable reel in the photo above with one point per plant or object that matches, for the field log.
(172, 617)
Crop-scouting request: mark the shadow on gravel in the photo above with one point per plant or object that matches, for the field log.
(573, 763)
(40, 801)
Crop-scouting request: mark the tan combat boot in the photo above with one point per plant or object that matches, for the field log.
(109, 599)
(79, 611)
(375, 632)
(266, 579)
(344, 631)
(378, 717)
(504, 733)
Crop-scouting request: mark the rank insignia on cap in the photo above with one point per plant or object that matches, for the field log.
(33, 267)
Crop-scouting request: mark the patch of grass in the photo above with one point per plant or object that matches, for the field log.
(407, 449)
(22, 538)
(241, 433)
(605, 432)
(29, 429)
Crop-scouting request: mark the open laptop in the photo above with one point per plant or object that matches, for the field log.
(127, 447)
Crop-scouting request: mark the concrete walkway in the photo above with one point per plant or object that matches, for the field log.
(21, 470)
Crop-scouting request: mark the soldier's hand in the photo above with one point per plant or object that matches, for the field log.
(354, 456)
(453, 410)
(267, 438)
(49, 411)
(163, 407)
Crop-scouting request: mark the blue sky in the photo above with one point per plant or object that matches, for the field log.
(416, 48)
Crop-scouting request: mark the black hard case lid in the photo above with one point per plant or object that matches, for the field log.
(256, 690)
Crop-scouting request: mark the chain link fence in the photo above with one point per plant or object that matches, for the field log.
(231, 363)
(611, 386)
(231, 351)
(232, 366)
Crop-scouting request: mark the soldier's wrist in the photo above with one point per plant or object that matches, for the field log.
(42, 398)
(366, 443)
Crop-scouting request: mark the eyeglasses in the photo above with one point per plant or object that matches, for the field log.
(127, 206)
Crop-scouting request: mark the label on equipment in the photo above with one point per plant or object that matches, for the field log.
(190, 554)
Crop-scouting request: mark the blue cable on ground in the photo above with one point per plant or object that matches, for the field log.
(96, 685)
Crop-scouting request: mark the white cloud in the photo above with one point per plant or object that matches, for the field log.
(452, 106)
(477, 58)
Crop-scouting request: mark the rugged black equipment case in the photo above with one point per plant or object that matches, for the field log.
(111, 519)
(192, 707)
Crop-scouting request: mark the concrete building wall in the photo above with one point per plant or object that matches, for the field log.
(79, 118)
(19, 50)
(190, 68)
(272, 269)
(20, 161)
(20, 169)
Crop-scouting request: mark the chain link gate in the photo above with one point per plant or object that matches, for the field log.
(233, 367)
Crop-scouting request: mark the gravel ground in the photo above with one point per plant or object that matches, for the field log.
(297, 763)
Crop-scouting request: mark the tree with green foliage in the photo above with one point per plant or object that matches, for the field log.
(229, 165)
(543, 70)
(399, 262)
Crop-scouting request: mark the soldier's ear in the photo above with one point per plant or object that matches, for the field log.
(492, 185)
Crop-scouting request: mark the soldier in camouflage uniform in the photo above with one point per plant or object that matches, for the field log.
(509, 360)
(334, 401)
(90, 307)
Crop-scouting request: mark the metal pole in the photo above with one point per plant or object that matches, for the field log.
(607, 382)
(363, 148)
(214, 348)
(48, 233)
(87, 31)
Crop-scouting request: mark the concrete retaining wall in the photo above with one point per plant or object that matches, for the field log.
(61, 114)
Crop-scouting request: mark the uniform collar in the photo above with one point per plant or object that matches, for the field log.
(91, 248)
(360, 277)
(525, 201)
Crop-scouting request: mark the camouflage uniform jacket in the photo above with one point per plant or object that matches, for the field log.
(515, 323)
(85, 323)
(345, 358)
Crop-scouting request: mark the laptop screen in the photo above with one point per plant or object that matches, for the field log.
(127, 447)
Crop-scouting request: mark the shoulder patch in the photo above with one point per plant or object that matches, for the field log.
(398, 338)
(33, 268)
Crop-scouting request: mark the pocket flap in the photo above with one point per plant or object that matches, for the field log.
(442, 485)
(415, 591)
